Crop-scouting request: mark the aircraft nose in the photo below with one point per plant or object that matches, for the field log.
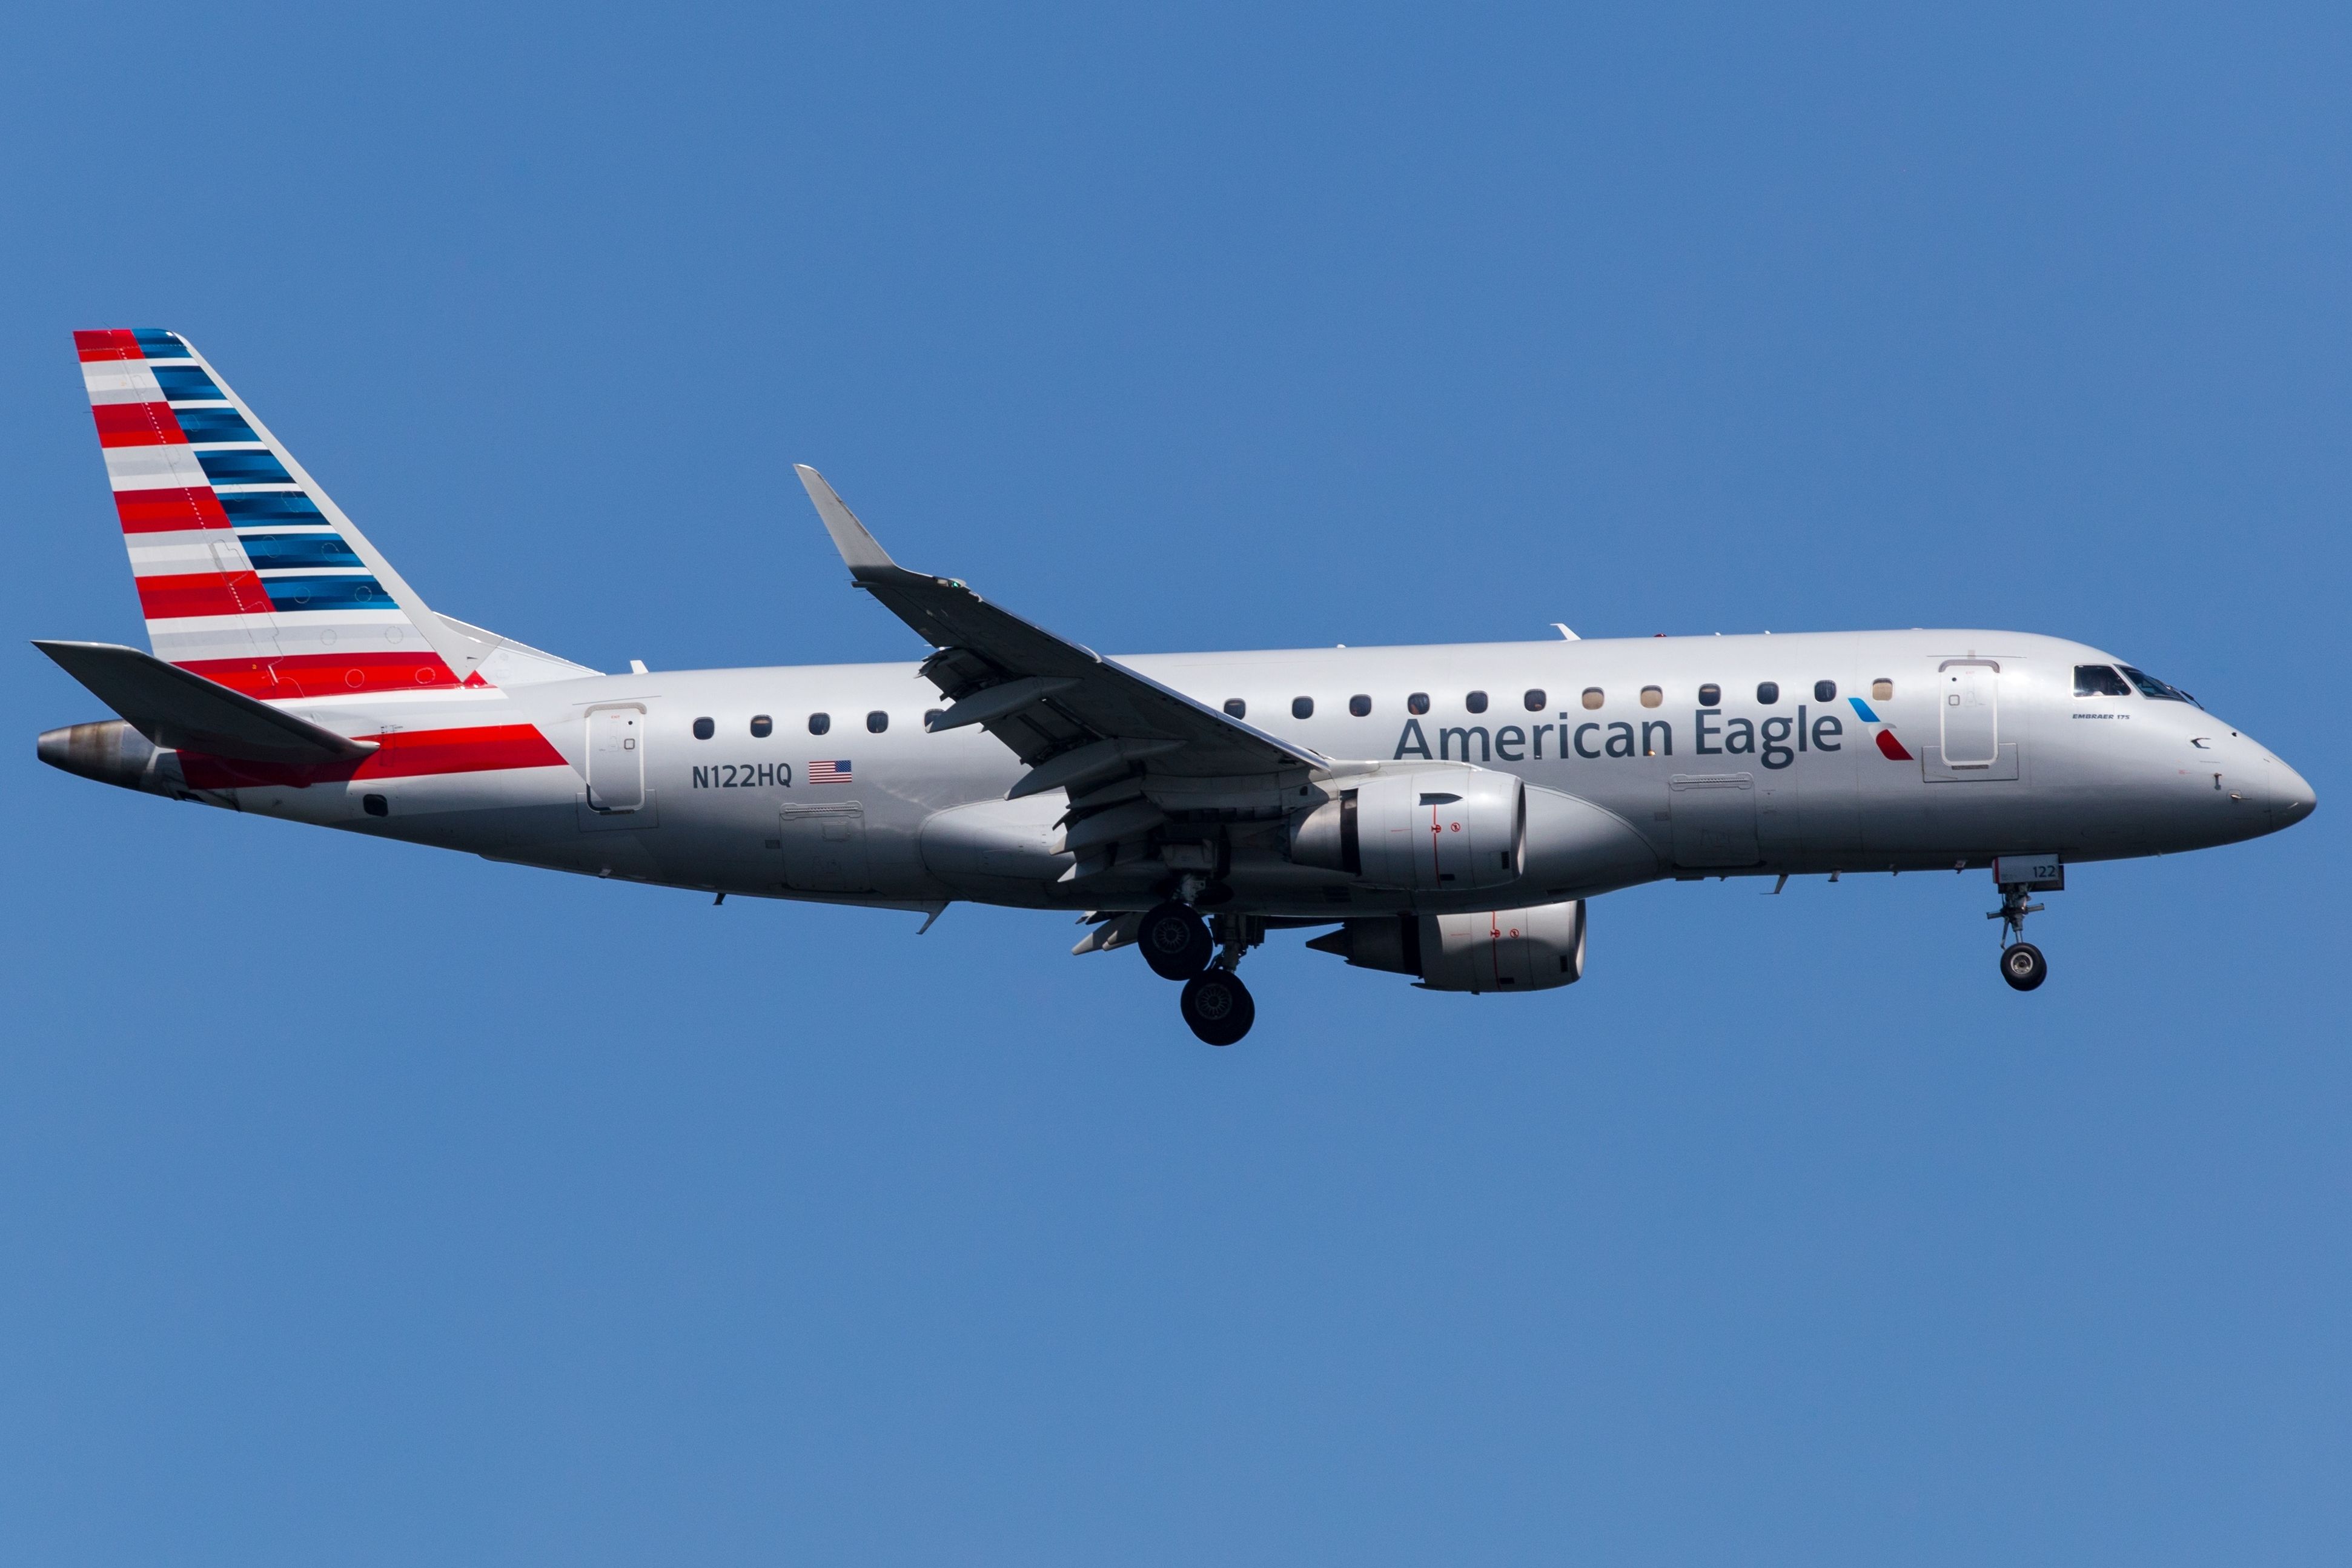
(2291, 797)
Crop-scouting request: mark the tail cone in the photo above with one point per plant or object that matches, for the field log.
(112, 753)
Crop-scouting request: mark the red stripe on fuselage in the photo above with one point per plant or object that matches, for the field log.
(1891, 748)
(115, 343)
(202, 593)
(403, 754)
(496, 746)
(325, 675)
(168, 511)
(137, 424)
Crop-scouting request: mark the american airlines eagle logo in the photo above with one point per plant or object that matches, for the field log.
(1881, 731)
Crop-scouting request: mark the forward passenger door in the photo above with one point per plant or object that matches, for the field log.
(1971, 712)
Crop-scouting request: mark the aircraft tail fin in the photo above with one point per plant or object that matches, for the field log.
(248, 573)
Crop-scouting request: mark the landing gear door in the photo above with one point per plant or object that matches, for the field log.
(1970, 691)
(616, 758)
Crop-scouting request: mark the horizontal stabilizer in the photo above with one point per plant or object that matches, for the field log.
(172, 707)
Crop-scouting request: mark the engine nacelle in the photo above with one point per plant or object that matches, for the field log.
(1495, 950)
(1431, 828)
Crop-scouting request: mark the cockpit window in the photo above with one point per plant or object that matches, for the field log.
(2149, 686)
(2098, 681)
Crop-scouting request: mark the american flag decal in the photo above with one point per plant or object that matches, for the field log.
(829, 772)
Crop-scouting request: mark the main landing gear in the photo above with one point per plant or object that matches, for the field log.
(1217, 1007)
(1176, 942)
(2022, 963)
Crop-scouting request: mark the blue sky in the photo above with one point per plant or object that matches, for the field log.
(371, 1204)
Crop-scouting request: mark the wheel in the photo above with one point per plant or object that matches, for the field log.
(1217, 1007)
(1175, 942)
(2024, 966)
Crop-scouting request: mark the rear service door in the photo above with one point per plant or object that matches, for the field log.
(616, 758)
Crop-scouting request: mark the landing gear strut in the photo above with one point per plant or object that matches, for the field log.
(2022, 963)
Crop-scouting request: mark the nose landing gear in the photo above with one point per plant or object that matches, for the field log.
(2022, 963)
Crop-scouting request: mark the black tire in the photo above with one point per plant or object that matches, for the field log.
(1217, 1007)
(1175, 942)
(2024, 966)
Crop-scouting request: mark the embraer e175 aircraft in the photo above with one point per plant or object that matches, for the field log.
(1445, 813)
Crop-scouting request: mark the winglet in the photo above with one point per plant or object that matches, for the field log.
(858, 550)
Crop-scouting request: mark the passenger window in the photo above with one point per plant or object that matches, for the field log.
(1533, 701)
(2098, 681)
(1417, 704)
(1768, 691)
(1236, 707)
(1825, 691)
(704, 729)
(1652, 697)
(1476, 701)
(1593, 697)
(763, 726)
(1361, 706)
(1710, 696)
(931, 716)
(819, 723)
(1882, 691)
(1302, 708)
(877, 722)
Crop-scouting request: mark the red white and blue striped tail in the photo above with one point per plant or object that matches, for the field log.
(247, 573)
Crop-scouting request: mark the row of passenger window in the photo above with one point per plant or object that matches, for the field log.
(763, 725)
(1535, 699)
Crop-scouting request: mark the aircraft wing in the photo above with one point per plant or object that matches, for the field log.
(1072, 714)
(172, 707)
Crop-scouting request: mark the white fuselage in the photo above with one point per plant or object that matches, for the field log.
(1994, 754)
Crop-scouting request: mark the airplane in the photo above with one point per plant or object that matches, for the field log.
(1442, 812)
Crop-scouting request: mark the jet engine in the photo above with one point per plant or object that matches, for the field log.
(1432, 827)
(1493, 950)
